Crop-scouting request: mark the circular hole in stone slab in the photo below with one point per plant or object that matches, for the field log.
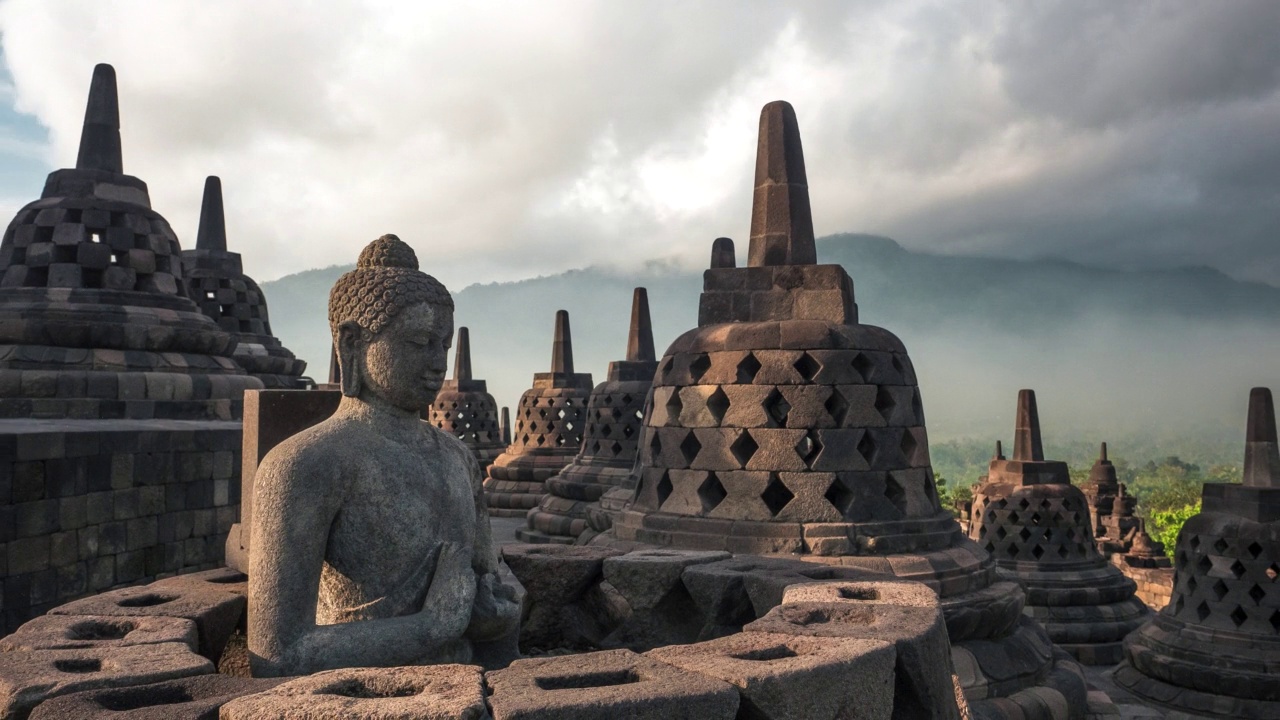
(78, 665)
(146, 600)
(137, 698)
(100, 630)
(370, 688)
(777, 652)
(843, 614)
(858, 593)
(227, 578)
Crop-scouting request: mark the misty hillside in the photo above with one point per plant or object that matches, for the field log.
(1112, 354)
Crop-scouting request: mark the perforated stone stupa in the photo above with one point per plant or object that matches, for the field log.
(1036, 525)
(614, 414)
(465, 409)
(550, 421)
(1214, 650)
(217, 284)
(95, 321)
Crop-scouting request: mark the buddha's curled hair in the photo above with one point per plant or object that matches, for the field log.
(385, 282)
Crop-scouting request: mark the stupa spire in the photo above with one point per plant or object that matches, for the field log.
(1261, 452)
(462, 356)
(999, 451)
(781, 221)
(1026, 439)
(1102, 454)
(722, 254)
(100, 136)
(640, 338)
(562, 345)
(212, 233)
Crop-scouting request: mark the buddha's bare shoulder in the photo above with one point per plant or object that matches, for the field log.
(322, 450)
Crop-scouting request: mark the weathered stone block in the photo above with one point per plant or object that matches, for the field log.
(68, 632)
(434, 692)
(195, 697)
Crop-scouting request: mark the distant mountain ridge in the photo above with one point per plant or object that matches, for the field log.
(1009, 318)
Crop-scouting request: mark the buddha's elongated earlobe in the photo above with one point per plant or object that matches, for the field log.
(350, 356)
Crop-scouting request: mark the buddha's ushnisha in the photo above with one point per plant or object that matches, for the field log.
(371, 544)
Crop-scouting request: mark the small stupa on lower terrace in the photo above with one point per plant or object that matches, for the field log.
(465, 409)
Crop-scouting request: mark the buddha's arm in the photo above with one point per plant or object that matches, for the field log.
(496, 613)
(296, 498)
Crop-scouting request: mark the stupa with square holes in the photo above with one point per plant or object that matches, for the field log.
(465, 409)
(614, 414)
(782, 425)
(217, 284)
(1214, 650)
(550, 421)
(1037, 526)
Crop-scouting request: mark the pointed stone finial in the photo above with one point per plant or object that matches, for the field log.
(562, 345)
(1261, 452)
(462, 356)
(1026, 438)
(640, 339)
(100, 136)
(722, 254)
(999, 451)
(335, 372)
(506, 424)
(1102, 455)
(212, 234)
(781, 222)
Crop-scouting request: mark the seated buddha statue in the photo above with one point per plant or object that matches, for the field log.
(370, 539)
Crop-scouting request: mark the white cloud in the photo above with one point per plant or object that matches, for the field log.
(505, 140)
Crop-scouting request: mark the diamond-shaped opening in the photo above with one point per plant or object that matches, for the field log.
(606, 431)
(1273, 571)
(837, 407)
(626, 399)
(1220, 590)
(776, 495)
(863, 365)
(1205, 564)
(595, 448)
(809, 448)
(1011, 551)
(664, 489)
(777, 407)
(1025, 534)
(1023, 504)
(1195, 542)
(689, 447)
(1035, 518)
(867, 448)
(895, 492)
(1238, 569)
(711, 493)
(1254, 549)
(1013, 516)
(917, 407)
(1001, 533)
(747, 368)
(616, 447)
(655, 445)
(743, 448)
(839, 495)
(1180, 560)
(1238, 616)
(1257, 594)
(897, 364)
(884, 403)
(699, 366)
(982, 531)
(627, 431)
(1220, 546)
(663, 368)
(718, 404)
(908, 445)
(1192, 584)
(1063, 552)
(674, 407)
(807, 367)
(1202, 610)
(1038, 551)
(1177, 606)
(1275, 621)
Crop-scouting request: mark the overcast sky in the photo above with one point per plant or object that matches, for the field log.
(505, 140)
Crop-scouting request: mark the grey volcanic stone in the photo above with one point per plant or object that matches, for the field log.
(785, 677)
(438, 692)
(73, 632)
(215, 612)
(373, 515)
(28, 678)
(610, 684)
(662, 611)
(193, 698)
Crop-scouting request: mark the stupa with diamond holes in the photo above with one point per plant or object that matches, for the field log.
(614, 414)
(550, 421)
(95, 321)
(782, 425)
(217, 284)
(1037, 526)
(1214, 650)
(465, 409)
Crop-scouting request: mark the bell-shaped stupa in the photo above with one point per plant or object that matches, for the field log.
(465, 409)
(550, 421)
(1037, 526)
(217, 284)
(1214, 650)
(615, 411)
(95, 320)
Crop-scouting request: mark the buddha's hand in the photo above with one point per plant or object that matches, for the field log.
(496, 611)
(448, 605)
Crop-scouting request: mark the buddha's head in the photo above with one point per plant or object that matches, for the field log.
(392, 325)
